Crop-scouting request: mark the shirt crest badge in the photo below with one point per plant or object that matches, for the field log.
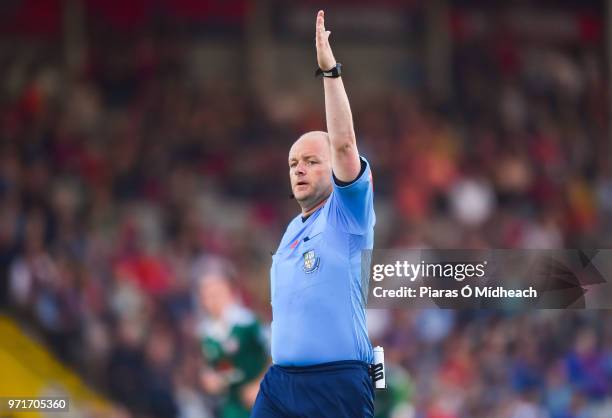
(311, 261)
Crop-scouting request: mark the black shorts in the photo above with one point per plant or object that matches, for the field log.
(339, 389)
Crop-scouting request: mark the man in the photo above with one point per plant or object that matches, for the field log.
(320, 346)
(233, 344)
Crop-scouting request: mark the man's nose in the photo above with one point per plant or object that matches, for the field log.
(300, 169)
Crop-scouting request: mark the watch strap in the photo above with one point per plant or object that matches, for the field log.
(334, 72)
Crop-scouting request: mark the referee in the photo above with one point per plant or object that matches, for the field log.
(320, 345)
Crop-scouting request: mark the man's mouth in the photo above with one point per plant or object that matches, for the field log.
(301, 184)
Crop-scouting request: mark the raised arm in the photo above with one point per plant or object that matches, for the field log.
(345, 158)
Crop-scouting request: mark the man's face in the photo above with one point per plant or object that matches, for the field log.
(310, 169)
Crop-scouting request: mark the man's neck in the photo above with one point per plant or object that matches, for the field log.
(308, 212)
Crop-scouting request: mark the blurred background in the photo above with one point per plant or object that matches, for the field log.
(144, 184)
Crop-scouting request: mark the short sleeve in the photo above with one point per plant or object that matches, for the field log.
(351, 206)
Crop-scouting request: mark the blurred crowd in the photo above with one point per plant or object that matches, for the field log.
(118, 179)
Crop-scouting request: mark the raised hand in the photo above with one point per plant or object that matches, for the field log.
(325, 56)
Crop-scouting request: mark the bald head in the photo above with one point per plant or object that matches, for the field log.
(310, 169)
(313, 140)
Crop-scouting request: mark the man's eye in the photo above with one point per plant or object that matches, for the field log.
(311, 162)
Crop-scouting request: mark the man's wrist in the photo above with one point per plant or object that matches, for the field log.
(334, 72)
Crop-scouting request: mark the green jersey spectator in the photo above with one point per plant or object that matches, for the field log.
(234, 346)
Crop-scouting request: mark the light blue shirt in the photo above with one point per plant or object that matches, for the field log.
(318, 298)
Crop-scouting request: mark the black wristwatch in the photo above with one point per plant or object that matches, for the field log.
(334, 72)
